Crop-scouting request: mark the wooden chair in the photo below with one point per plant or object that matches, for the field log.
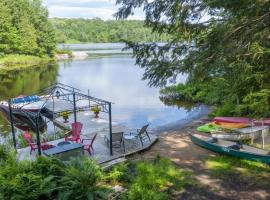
(89, 147)
(33, 145)
(117, 140)
(142, 133)
(76, 132)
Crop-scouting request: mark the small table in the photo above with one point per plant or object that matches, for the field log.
(63, 143)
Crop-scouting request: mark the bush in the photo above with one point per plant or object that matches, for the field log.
(149, 180)
(4, 152)
(81, 180)
(47, 178)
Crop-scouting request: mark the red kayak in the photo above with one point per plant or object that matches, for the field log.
(243, 120)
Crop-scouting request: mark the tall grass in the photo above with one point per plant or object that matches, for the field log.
(21, 61)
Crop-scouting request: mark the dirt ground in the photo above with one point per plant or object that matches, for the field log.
(177, 146)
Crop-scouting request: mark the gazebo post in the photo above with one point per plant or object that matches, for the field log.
(12, 125)
(37, 134)
(74, 107)
(110, 127)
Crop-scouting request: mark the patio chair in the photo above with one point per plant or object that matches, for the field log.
(142, 134)
(75, 132)
(89, 147)
(117, 140)
(33, 145)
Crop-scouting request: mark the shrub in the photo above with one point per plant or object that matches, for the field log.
(4, 152)
(81, 180)
(47, 178)
(154, 180)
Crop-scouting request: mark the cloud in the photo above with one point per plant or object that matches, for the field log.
(103, 9)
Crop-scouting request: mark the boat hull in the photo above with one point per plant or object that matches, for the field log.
(231, 152)
(243, 120)
(23, 121)
(243, 133)
(232, 120)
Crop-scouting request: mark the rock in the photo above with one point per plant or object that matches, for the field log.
(79, 55)
(118, 188)
(63, 56)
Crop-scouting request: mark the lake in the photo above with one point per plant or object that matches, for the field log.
(109, 74)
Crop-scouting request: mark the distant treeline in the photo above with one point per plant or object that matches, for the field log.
(25, 29)
(97, 30)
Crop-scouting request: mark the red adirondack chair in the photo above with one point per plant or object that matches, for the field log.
(89, 147)
(76, 132)
(33, 145)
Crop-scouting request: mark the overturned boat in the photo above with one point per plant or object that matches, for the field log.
(25, 103)
(24, 111)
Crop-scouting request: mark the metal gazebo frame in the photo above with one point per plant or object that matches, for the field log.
(67, 93)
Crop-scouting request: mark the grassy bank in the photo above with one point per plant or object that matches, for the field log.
(14, 61)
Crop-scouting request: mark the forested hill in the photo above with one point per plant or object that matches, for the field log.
(25, 28)
(97, 30)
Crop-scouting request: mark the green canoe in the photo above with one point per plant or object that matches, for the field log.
(231, 148)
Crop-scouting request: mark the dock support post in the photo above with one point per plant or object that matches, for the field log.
(12, 125)
(74, 107)
(110, 128)
(37, 134)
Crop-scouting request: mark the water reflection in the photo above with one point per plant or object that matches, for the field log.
(25, 82)
(117, 79)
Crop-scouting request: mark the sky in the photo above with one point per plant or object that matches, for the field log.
(103, 9)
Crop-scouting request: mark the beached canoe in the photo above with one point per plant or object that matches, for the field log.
(243, 133)
(231, 148)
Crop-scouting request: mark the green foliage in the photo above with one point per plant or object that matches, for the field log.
(97, 30)
(4, 152)
(20, 61)
(21, 141)
(149, 180)
(80, 180)
(258, 102)
(123, 173)
(225, 55)
(64, 51)
(25, 29)
(47, 178)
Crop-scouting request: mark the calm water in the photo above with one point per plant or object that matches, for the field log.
(112, 77)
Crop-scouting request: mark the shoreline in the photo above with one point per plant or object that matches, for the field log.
(20, 62)
(197, 113)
